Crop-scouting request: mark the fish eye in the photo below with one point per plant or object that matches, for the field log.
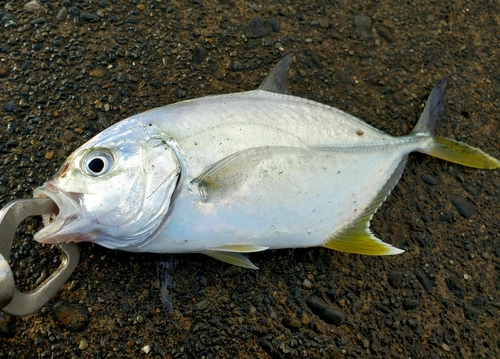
(97, 163)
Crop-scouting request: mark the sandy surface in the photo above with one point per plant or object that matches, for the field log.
(69, 69)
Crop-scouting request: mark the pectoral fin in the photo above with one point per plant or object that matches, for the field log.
(230, 172)
(357, 237)
(233, 258)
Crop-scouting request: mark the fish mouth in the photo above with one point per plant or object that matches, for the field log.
(64, 226)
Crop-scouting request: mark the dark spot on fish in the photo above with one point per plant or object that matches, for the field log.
(359, 132)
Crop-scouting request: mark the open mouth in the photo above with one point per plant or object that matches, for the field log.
(59, 227)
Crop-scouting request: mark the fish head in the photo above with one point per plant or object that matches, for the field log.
(115, 190)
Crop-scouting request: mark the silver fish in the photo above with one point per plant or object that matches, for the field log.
(238, 173)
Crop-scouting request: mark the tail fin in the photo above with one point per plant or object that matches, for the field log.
(445, 148)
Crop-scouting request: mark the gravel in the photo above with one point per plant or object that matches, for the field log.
(72, 68)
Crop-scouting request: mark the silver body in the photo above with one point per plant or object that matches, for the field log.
(294, 198)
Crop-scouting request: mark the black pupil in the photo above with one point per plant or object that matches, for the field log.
(96, 165)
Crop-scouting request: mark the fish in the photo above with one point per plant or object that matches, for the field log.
(231, 174)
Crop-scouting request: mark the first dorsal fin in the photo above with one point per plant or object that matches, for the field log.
(357, 237)
(277, 80)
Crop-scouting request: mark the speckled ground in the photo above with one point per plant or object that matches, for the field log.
(69, 69)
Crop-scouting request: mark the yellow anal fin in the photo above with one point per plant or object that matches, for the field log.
(463, 154)
(360, 240)
(239, 248)
(357, 237)
(233, 258)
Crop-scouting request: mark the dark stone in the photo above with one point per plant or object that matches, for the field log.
(478, 301)
(328, 314)
(181, 93)
(12, 127)
(89, 17)
(291, 323)
(9, 107)
(469, 188)
(465, 208)
(73, 10)
(199, 54)
(423, 279)
(455, 287)
(430, 180)
(72, 317)
(132, 20)
(6, 322)
(39, 21)
(12, 143)
(363, 23)
(8, 20)
(385, 33)
(275, 24)
(252, 45)
(394, 279)
(255, 28)
(236, 66)
(268, 347)
(471, 312)
(410, 303)
(356, 306)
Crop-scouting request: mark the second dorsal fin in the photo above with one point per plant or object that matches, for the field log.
(277, 79)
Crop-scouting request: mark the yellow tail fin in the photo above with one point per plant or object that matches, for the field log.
(463, 154)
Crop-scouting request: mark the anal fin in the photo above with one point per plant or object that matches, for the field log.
(359, 240)
(233, 258)
(357, 237)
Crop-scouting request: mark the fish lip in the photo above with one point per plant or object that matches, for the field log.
(60, 227)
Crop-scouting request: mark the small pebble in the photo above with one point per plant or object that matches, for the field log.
(455, 287)
(255, 28)
(464, 207)
(89, 17)
(395, 278)
(478, 301)
(72, 317)
(292, 323)
(471, 312)
(307, 284)
(324, 22)
(275, 24)
(236, 66)
(363, 23)
(202, 305)
(423, 279)
(83, 344)
(430, 180)
(410, 303)
(62, 14)
(9, 107)
(328, 314)
(33, 5)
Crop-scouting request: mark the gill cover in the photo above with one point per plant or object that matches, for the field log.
(155, 183)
